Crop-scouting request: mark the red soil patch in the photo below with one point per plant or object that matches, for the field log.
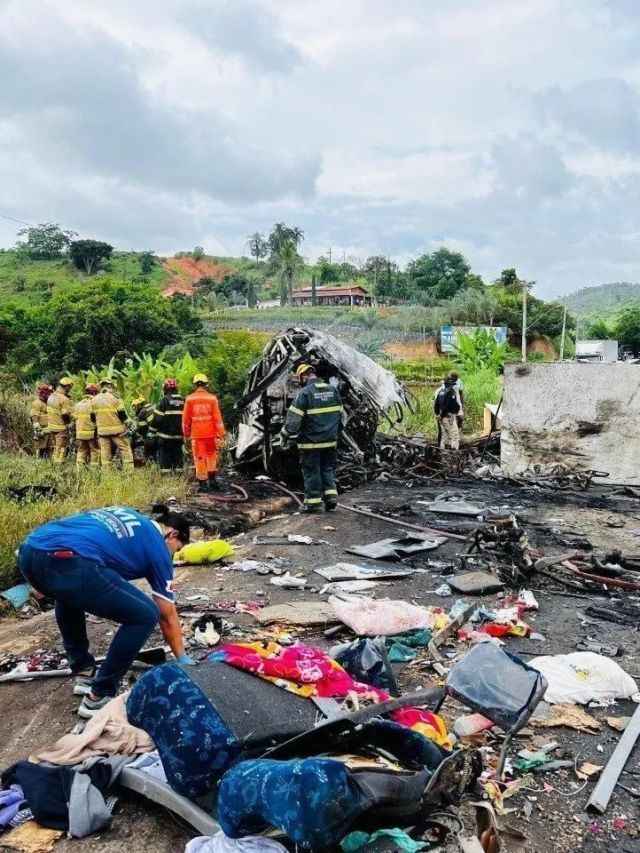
(186, 273)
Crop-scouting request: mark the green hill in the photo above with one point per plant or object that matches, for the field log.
(605, 300)
(34, 277)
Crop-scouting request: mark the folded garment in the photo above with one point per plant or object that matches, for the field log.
(108, 733)
(219, 843)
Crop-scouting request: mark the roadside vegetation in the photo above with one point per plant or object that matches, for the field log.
(76, 490)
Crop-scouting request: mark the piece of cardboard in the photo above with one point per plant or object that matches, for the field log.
(298, 613)
(475, 582)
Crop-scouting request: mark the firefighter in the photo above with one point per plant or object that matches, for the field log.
(42, 438)
(167, 421)
(313, 423)
(59, 411)
(202, 423)
(87, 448)
(144, 433)
(112, 425)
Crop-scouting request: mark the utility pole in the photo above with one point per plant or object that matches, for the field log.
(564, 329)
(329, 254)
(524, 320)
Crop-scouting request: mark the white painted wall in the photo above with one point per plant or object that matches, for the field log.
(544, 405)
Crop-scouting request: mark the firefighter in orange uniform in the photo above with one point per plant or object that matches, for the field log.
(202, 423)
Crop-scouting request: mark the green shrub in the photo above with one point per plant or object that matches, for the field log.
(78, 490)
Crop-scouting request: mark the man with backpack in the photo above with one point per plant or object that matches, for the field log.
(448, 408)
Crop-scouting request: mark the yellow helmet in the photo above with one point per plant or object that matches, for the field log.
(138, 401)
(200, 377)
(303, 368)
(106, 380)
(66, 381)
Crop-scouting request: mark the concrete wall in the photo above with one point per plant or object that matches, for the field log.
(586, 415)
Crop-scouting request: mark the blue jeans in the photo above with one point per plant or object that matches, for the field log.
(81, 586)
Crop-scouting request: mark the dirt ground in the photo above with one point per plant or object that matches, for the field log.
(35, 714)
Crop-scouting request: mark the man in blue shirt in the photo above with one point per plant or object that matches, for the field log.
(85, 562)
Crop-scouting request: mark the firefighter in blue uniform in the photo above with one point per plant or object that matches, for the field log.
(313, 423)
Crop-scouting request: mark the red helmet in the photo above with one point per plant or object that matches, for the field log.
(171, 384)
(92, 389)
(45, 388)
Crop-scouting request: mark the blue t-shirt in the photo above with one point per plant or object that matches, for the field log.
(118, 537)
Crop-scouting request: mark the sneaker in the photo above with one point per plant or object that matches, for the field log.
(82, 685)
(88, 708)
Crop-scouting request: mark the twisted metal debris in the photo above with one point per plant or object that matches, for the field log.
(370, 394)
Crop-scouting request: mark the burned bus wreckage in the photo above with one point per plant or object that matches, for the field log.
(370, 394)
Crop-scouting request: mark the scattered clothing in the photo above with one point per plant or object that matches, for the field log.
(11, 801)
(67, 799)
(30, 837)
(220, 843)
(355, 841)
(108, 733)
(149, 764)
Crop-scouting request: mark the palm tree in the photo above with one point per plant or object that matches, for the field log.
(258, 246)
(290, 263)
(297, 235)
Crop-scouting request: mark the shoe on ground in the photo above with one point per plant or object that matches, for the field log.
(330, 506)
(311, 509)
(214, 485)
(203, 486)
(82, 685)
(88, 708)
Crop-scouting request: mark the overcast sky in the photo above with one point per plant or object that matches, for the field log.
(507, 130)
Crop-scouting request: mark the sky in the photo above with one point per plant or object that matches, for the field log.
(509, 131)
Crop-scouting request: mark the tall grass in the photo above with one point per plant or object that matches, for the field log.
(77, 490)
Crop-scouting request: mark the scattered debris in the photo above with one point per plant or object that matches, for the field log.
(599, 799)
(395, 549)
(350, 571)
(571, 716)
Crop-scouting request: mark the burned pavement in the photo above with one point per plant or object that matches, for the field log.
(453, 561)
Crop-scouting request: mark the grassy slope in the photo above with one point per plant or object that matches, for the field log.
(40, 276)
(77, 491)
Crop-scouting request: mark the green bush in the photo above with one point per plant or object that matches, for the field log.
(420, 370)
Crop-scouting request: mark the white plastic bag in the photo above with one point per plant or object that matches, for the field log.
(583, 677)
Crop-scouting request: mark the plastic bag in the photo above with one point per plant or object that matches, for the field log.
(583, 677)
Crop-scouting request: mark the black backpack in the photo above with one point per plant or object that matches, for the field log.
(448, 401)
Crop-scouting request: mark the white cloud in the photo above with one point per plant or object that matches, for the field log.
(508, 130)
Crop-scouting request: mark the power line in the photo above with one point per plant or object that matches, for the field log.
(13, 219)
